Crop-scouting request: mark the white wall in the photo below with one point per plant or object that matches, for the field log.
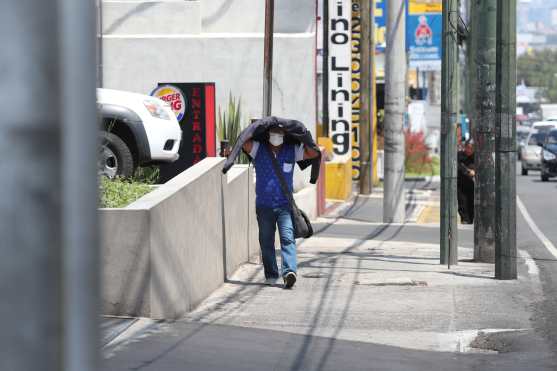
(234, 63)
(291, 16)
(221, 41)
(151, 17)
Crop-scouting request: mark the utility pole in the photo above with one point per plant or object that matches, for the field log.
(484, 129)
(470, 61)
(30, 202)
(366, 54)
(505, 159)
(48, 206)
(99, 33)
(449, 104)
(81, 267)
(268, 58)
(395, 107)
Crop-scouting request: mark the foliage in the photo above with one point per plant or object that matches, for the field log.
(147, 174)
(417, 159)
(230, 124)
(120, 192)
(539, 68)
(229, 121)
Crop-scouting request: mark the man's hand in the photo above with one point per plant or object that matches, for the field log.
(310, 153)
(471, 173)
(248, 146)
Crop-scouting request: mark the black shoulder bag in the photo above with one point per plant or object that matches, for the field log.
(302, 225)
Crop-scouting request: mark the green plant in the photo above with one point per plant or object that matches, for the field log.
(120, 192)
(147, 174)
(539, 68)
(229, 125)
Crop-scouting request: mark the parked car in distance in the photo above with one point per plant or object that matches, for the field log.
(549, 156)
(544, 126)
(531, 152)
(136, 130)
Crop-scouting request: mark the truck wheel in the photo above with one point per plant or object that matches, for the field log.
(115, 158)
(544, 177)
(524, 171)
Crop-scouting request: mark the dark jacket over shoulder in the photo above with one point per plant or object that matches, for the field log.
(295, 133)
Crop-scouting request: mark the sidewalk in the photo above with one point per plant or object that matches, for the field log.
(369, 296)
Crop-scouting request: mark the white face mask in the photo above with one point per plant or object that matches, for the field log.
(276, 139)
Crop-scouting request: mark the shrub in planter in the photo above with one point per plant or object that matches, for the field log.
(417, 159)
(120, 192)
(230, 125)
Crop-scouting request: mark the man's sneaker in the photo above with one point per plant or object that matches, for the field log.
(289, 280)
(271, 281)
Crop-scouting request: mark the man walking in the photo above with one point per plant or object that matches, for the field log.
(272, 206)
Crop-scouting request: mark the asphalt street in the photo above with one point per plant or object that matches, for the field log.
(540, 201)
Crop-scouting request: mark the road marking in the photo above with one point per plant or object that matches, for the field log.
(533, 269)
(547, 243)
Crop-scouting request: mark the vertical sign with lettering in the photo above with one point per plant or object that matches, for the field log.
(340, 79)
(356, 87)
(194, 107)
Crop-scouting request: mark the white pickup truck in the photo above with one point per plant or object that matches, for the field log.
(136, 130)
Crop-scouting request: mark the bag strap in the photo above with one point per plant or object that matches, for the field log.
(282, 181)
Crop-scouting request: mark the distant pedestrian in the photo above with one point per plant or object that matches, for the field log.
(272, 206)
(466, 174)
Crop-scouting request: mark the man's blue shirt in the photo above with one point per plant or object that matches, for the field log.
(267, 185)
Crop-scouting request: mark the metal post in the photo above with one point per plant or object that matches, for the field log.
(449, 103)
(395, 107)
(373, 110)
(268, 58)
(30, 180)
(505, 160)
(484, 219)
(99, 43)
(366, 46)
(79, 184)
(470, 62)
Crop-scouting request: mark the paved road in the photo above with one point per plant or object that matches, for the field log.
(540, 201)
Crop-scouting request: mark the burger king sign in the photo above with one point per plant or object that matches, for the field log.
(174, 97)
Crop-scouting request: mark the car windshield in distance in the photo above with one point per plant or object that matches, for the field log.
(536, 138)
(521, 135)
(552, 138)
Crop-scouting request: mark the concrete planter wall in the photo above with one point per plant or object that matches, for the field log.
(241, 232)
(166, 252)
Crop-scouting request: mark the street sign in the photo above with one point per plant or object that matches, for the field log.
(424, 6)
(380, 16)
(423, 41)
